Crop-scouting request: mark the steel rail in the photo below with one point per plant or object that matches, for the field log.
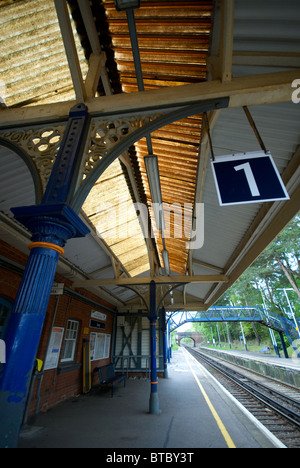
(267, 400)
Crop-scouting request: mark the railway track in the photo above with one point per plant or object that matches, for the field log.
(276, 405)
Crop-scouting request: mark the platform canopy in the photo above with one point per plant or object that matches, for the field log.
(229, 74)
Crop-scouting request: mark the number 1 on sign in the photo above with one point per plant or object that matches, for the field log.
(250, 178)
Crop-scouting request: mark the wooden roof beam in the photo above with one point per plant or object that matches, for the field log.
(242, 91)
(219, 61)
(70, 48)
(267, 59)
(207, 265)
(97, 66)
(226, 44)
(158, 279)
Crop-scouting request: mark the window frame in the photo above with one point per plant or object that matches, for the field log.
(68, 340)
(4, 301)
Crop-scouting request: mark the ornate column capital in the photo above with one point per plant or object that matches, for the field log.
(53, 224)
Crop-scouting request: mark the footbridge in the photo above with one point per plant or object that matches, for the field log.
(241, 314)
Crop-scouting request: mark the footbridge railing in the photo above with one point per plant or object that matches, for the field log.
(240, 314)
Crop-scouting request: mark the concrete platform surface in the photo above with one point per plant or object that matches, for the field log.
(291, 363)
(285, 370)
(196, 412)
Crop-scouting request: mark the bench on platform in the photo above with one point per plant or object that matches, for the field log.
(265, 349)
(108, 376)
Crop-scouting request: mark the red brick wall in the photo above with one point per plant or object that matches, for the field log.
(61, 383)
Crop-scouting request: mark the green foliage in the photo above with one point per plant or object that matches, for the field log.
(174, 344)
(276, 268)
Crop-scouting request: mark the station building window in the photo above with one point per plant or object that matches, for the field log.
(70, 341)
(5, 309)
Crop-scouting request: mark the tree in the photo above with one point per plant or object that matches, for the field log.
(284, 254)
(276, 268)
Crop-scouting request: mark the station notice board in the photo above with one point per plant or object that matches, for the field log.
(248, 178)
(100, 346)
(53, 352)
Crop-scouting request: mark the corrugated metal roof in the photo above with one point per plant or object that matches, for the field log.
(258, 28)
(173, 41)
(111, 211)
(178, 161)
(267, 26)
(34, 67)
(16, 184)
(91, 259)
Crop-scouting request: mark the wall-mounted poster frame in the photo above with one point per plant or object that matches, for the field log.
(100, 346)
(53, 352)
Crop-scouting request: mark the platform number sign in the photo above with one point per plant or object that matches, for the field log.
(248, 178)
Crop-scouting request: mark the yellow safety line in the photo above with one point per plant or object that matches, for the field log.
(218, 420)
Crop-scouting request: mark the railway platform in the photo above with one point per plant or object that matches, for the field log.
(285, 370)
(196, 412)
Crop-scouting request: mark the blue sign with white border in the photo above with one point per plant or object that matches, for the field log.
(248, 178)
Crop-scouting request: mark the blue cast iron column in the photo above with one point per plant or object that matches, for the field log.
(52, 223)
(165, 343)
(169, 341)
(154, 402)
